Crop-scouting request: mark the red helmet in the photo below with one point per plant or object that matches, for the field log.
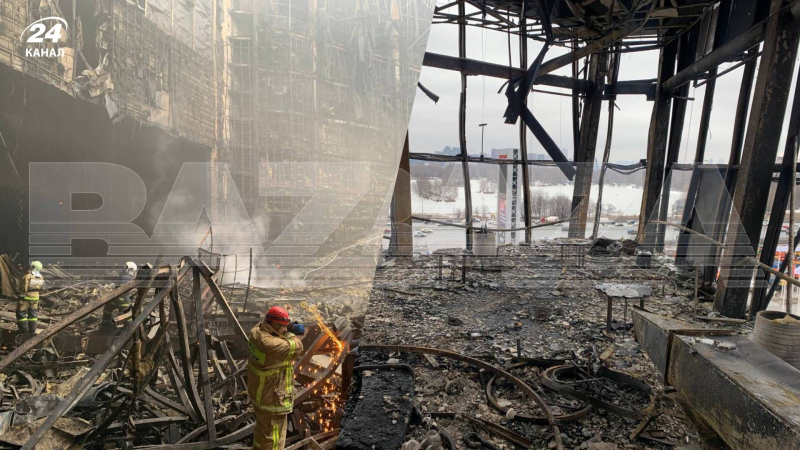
(277, 314)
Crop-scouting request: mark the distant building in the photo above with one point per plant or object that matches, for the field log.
(451, 151)
(497, 152)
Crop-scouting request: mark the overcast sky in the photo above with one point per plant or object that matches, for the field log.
(434, 126)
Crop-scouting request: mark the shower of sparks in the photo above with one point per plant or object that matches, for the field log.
(313, 310)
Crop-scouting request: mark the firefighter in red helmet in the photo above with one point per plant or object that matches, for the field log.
(273, 345)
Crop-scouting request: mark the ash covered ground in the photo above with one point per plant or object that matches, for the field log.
(530, 296)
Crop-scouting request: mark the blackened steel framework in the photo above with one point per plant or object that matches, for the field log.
(694, 39)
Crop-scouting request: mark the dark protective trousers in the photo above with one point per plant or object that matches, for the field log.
(119, 304)
(27, 315)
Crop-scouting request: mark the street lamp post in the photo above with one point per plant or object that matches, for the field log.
(483, 128)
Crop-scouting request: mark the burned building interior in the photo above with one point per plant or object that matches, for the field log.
(256, 153)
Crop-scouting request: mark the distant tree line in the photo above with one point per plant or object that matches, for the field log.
(434, 189)
(545, 205)
(452, 174)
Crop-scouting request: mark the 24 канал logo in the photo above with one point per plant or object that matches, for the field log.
(38, 32)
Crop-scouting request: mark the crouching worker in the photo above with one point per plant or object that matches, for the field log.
(28, 301)
(273, 346)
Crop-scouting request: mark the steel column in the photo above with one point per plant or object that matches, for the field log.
(761, 146)
(657, 143)
(739, 126)
(613, 74)
(719, 27)
(576, 105)
(699, 155)
(590, 125)
(402, 232)
(462, 122)
(523, 132)
(686, 54)
(779, 203)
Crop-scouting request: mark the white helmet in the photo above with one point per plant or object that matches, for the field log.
(130, 266)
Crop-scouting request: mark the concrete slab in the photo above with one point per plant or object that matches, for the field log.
(654, 333)
(749, 396)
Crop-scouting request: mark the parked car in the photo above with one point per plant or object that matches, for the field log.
(420, 234)
(631, 231)
(427, 230)
(620, 224)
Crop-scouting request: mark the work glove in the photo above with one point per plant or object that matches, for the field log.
(297, 328)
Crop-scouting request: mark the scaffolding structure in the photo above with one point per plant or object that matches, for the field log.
(301, 96)
(156, 74)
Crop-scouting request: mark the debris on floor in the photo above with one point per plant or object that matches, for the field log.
(540, 320)
(141, 382)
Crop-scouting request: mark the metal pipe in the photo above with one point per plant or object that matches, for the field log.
(765, 302)
(249, 276)
(519, 384)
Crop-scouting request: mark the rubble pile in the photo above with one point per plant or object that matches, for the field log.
(142, 382)
(543, 322)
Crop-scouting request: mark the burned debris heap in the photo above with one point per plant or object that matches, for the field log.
(515, 354)
(680, 370)
(577, 343)
(172, 375)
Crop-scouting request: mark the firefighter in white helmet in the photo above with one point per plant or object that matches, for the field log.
(124, 302)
